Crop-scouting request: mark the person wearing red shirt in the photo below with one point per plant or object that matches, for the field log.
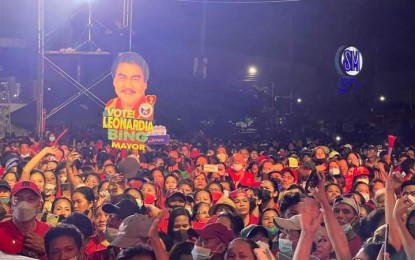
(23, 234)
(237, 172)
(241, 200)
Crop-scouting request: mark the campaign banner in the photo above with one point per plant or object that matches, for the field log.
(129, 116)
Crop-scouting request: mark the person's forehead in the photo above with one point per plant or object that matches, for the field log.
(124, 67)
(62, 241)
(63, 203)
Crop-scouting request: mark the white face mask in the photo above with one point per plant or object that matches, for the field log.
(366, 196)
(334, 171)
(63, 179)
(24, 211)
(52, 138)
(50, 189)
(285, 246)
(139, 202)
(363, 180)
(200, 253)
(237, 167)
(226, 193)
(110, 234)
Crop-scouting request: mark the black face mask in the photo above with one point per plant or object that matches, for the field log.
(171, 161)
(252, 204)
(320, 161)
(180, 235)
(264, 195)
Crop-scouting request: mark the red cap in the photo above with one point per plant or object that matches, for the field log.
(216, 230)
(292, 172)
(361, 170)
(25, 185)
(194, 154)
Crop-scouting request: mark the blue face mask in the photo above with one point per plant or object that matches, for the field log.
(5, 200)
(285, 246)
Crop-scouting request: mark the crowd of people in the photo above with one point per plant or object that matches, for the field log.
(263, 200)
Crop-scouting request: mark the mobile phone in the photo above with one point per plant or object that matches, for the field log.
(48, 218)
(210, 168)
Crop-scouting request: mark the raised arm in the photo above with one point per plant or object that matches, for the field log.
(155, 242)
(310, 221)
(393, 182)
(401, 209)
(72, 157)
(35, 161)
(334, 230)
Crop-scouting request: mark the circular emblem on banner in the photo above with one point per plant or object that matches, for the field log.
(349, 60)
(145, 110)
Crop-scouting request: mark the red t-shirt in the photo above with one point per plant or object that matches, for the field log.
(93, 245)
(12, 240)
(253, 220)
(245, 179)
(354, 245)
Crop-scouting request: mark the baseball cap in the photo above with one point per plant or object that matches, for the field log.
(252, 229)
(292, 162)
(124, 208)
(5, 184)
(25, 185)
(293, 223)
(359, 171)
(349, 200)
(224, 201)
(333, 154)
(132, 230)
(173, 192)
(372, 147)
(12, 162)
(348, 146)
(216, 230)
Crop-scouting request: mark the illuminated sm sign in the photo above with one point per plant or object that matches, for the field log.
(349, 60)
(349, 63)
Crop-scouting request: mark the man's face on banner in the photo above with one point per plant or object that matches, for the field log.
(129, 83)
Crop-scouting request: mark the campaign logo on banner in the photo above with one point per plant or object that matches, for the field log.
(349, 63)
(158, 140)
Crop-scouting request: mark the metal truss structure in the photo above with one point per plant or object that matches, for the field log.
(45, 59)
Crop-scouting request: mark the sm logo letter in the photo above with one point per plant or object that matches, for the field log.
(349, 61)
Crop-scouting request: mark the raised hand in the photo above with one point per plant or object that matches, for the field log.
(319, 192)
(311, 215)
(401, 208)
(72, 157)
(394, 181)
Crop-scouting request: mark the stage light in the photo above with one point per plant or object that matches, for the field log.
(299, 100)
(252, 71)
(338, 138)
(382, 98)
